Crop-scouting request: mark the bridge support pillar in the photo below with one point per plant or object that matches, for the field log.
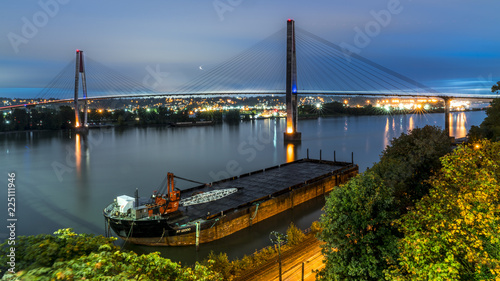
(80, 71)
(291, 133)
(77, 80)
(447, 115)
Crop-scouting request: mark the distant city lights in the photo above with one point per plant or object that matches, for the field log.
(407, 104)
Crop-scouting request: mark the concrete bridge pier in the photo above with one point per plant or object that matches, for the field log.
(292, 117)
(80, 71)
(447, 115)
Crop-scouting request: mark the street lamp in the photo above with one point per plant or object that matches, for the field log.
(278, 238)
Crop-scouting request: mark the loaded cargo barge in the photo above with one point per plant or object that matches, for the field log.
(212, 211)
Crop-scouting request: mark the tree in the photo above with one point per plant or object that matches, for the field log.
(495, 88)
(475, 133)
(67, 117)
(358, 221)
(490, 127)
(409, 161)
(2, 122)
(491, 124)
(356, 226)
(219, 263)
(21, 119)
(233, 116)
(294, 235)
(453, 233)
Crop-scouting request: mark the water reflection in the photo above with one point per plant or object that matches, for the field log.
(411, 125)
(78, 155)
(82, 166)
(386, 132)
(460, 130)
(291, 152)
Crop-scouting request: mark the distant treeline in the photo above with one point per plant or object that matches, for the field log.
(64, 118)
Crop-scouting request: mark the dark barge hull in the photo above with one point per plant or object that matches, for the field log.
(267, 193)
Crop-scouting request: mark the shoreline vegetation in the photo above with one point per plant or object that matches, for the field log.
(70, 256)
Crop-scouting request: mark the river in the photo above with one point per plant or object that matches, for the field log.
(64, 180)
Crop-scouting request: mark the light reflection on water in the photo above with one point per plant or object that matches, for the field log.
(458, 123)
(65, 180)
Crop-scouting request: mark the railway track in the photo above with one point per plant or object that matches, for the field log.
(290, 259)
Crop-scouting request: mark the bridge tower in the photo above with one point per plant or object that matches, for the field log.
(291, 133)
(80, 71)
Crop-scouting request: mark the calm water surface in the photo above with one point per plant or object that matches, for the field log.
(65, 180)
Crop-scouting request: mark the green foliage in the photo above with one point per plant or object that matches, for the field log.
(67, 116)
(44, 250)
(495, 88)
(358, 222)
(233, 116)
(198, 272)
(475, 133)
(491, 124)
(490, 127)
(219, 263)
(356, 226)
(315, 227)
(212, 115)
(294, 235)
(3, 126)
(118, 266)
(229, 270)
(409, 161)
(20, 119)
(454, 232)
(70, 256)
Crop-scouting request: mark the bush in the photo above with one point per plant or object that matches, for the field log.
(295, 235)
(219, 263)
(316, 228)
(70, 256)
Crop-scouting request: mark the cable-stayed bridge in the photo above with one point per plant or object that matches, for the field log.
(291, 61)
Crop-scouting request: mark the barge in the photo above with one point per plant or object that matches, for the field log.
(204, 213)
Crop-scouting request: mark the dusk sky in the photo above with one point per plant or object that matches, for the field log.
(452, 46)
